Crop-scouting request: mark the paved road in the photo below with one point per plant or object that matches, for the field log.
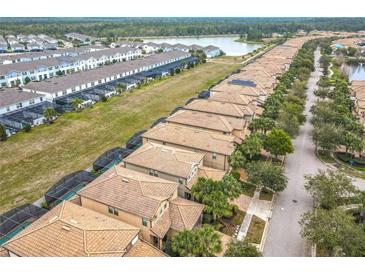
(283, 237)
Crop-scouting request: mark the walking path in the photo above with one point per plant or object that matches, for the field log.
(260, 208)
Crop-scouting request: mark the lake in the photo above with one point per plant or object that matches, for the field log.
(225, 43)
(356, 72)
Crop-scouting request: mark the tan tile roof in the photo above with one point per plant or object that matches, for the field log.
(130, 191)
(165, 159)
(231, 97)
(207, 121)
(227, 86)
(211, 173)
(184, 214)
(162, 225)
(3, 252)
(144, 249)
(192, 138)
(71, 230)
(221, 108)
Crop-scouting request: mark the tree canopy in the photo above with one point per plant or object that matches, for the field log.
(266, 174)
(335, 231)
(241, 249)
(278, 142)
(329, 189)
(199, 242)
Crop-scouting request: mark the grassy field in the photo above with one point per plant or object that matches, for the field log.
(31, 162)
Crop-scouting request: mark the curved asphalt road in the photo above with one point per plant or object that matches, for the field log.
(283, 238)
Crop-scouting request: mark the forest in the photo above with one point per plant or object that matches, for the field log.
(182, 26)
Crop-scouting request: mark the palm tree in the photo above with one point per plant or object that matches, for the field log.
(76, 103)
(49, 114)
(200, 242)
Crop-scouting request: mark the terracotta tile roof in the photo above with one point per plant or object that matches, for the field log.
(192, 138)
(162, 225)
(211, 173)
(130, 191)
(71, 230)
(144, 249)
(165, 159)
(184, 214)
(221, 108)
(207, 121)
(231, 97)
(3, 252)
(228, 86)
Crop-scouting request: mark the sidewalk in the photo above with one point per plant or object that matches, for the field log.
(257, 207)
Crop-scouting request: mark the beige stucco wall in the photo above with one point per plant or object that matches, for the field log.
(123, 216)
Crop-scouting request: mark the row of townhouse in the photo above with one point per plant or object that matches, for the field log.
(17, 73)
(150, 189)
(61, 86)
(34, 56)
(151, 47)
(79, 37)
(24, 106)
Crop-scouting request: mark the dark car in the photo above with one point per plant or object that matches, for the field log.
(135, 141)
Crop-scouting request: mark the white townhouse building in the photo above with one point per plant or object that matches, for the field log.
(20, 73)
(12, 99)
(61, 86)
(212, 51)
(16, 47)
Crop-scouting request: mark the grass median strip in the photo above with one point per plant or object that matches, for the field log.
(31, 162)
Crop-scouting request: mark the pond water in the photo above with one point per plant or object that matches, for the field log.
(356, 72)
(225, 43)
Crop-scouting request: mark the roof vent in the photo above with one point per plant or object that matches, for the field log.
(67, 228)
(73, 221)
(125, 180)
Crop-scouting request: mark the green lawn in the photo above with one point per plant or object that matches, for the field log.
(266, 195)
(31, 162)
(256, 230)
(248, 189)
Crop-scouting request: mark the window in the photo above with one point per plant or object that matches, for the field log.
(182, 181)
(7, 108)
(187, 196)
(113, 210)
(214, 156)
(19, 105)
(31, 101)
(165, 205)
(160, 211)
(144, 222)
(153, 173)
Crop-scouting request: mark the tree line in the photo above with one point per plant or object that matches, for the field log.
(256, 28)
